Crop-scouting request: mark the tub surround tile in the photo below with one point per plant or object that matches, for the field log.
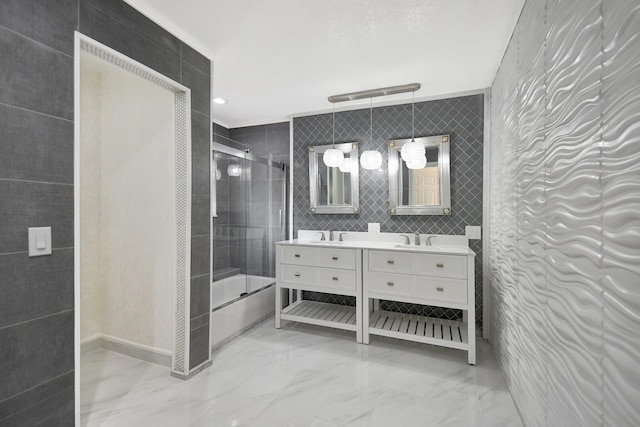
(32, 204)
(56, 408)
(196, 59)
(22, 82)
(130, 18)
(200, 288)
(200, 223)
(35, 287)
(35, 352)
(199, 346)
(200, 133)
(35, 147)
(112, 33)
(200, 255)
(200, 169)
(33, 396)
(220, 130)
(200, 321)
(200, 84)
(45, 22)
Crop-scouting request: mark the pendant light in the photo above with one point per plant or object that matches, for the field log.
(371, 159)
(333, 157)
(412, 150)
(418, 163)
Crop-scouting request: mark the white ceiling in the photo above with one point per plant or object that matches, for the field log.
(277, 58)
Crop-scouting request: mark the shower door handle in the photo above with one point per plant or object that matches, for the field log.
(280, 218)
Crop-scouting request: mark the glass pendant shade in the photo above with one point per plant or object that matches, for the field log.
(345, 167)
(333, 157)
(233, 169)
(371, 159)
(418, 163)
(412, 150)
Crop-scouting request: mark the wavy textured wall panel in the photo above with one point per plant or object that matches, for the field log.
(621, 214)
(565, 213)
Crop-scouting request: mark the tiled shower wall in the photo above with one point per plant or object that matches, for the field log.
(460, 117)
(565, 213)
(36, 189)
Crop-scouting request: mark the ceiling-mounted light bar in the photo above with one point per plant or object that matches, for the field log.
(372, 93)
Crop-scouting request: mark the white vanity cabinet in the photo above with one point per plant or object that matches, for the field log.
(319, 268)
(438, 279)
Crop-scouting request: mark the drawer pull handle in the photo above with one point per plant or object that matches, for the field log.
(390, 262)
(335, 278)
(335, 258)
(297, 255)
(389, 283)
(439, 265)
(297, 274)
(440, 289)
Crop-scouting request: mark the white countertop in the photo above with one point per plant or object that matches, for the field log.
(439, 249)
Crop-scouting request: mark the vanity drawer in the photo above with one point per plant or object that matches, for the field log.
(300, 255)
(342, 279)
(320, 257)
(298, 274)
(419, 287)
(439, 289)
(390, 261)
(336, 258)
(392, 284)
(318, 277)
(440, 265)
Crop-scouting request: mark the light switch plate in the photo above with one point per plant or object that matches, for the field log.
(39, 241)
(473, 232)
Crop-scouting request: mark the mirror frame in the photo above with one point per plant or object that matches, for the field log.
(441, 142)
(315, 153)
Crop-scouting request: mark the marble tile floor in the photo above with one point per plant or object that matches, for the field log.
(302, 375)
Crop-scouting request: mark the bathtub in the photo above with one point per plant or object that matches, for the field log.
(233, 311)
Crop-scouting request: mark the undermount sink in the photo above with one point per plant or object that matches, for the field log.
(417, 248)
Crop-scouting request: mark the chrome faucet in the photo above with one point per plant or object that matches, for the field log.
(321, 236)
(340, 238)
(407, 239)
(429, 240)
(417, 240)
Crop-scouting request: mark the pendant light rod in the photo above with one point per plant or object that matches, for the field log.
(333, 126)
(413, 115)
(384, 91)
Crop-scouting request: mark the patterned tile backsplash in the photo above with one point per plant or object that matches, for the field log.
(462, 118)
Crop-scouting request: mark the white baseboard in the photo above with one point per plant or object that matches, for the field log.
(137, 351)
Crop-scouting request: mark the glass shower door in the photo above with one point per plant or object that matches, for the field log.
(266, 222)
(249, 216)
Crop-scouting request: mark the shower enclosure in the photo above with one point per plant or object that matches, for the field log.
(249, 216)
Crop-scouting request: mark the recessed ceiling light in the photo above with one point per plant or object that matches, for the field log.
(219, 100)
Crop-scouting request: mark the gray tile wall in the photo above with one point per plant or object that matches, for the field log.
(36, 188)
(462, 118)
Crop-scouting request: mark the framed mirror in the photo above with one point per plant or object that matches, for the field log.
(422, 191)
(334, 190)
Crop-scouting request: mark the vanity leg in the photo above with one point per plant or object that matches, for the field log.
(298, 295)
(376, 305)
(278, 305)
(471, 333)
(366, 311)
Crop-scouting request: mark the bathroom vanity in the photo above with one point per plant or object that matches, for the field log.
(387, 268)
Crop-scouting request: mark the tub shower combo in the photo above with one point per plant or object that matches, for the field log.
(249, 215)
